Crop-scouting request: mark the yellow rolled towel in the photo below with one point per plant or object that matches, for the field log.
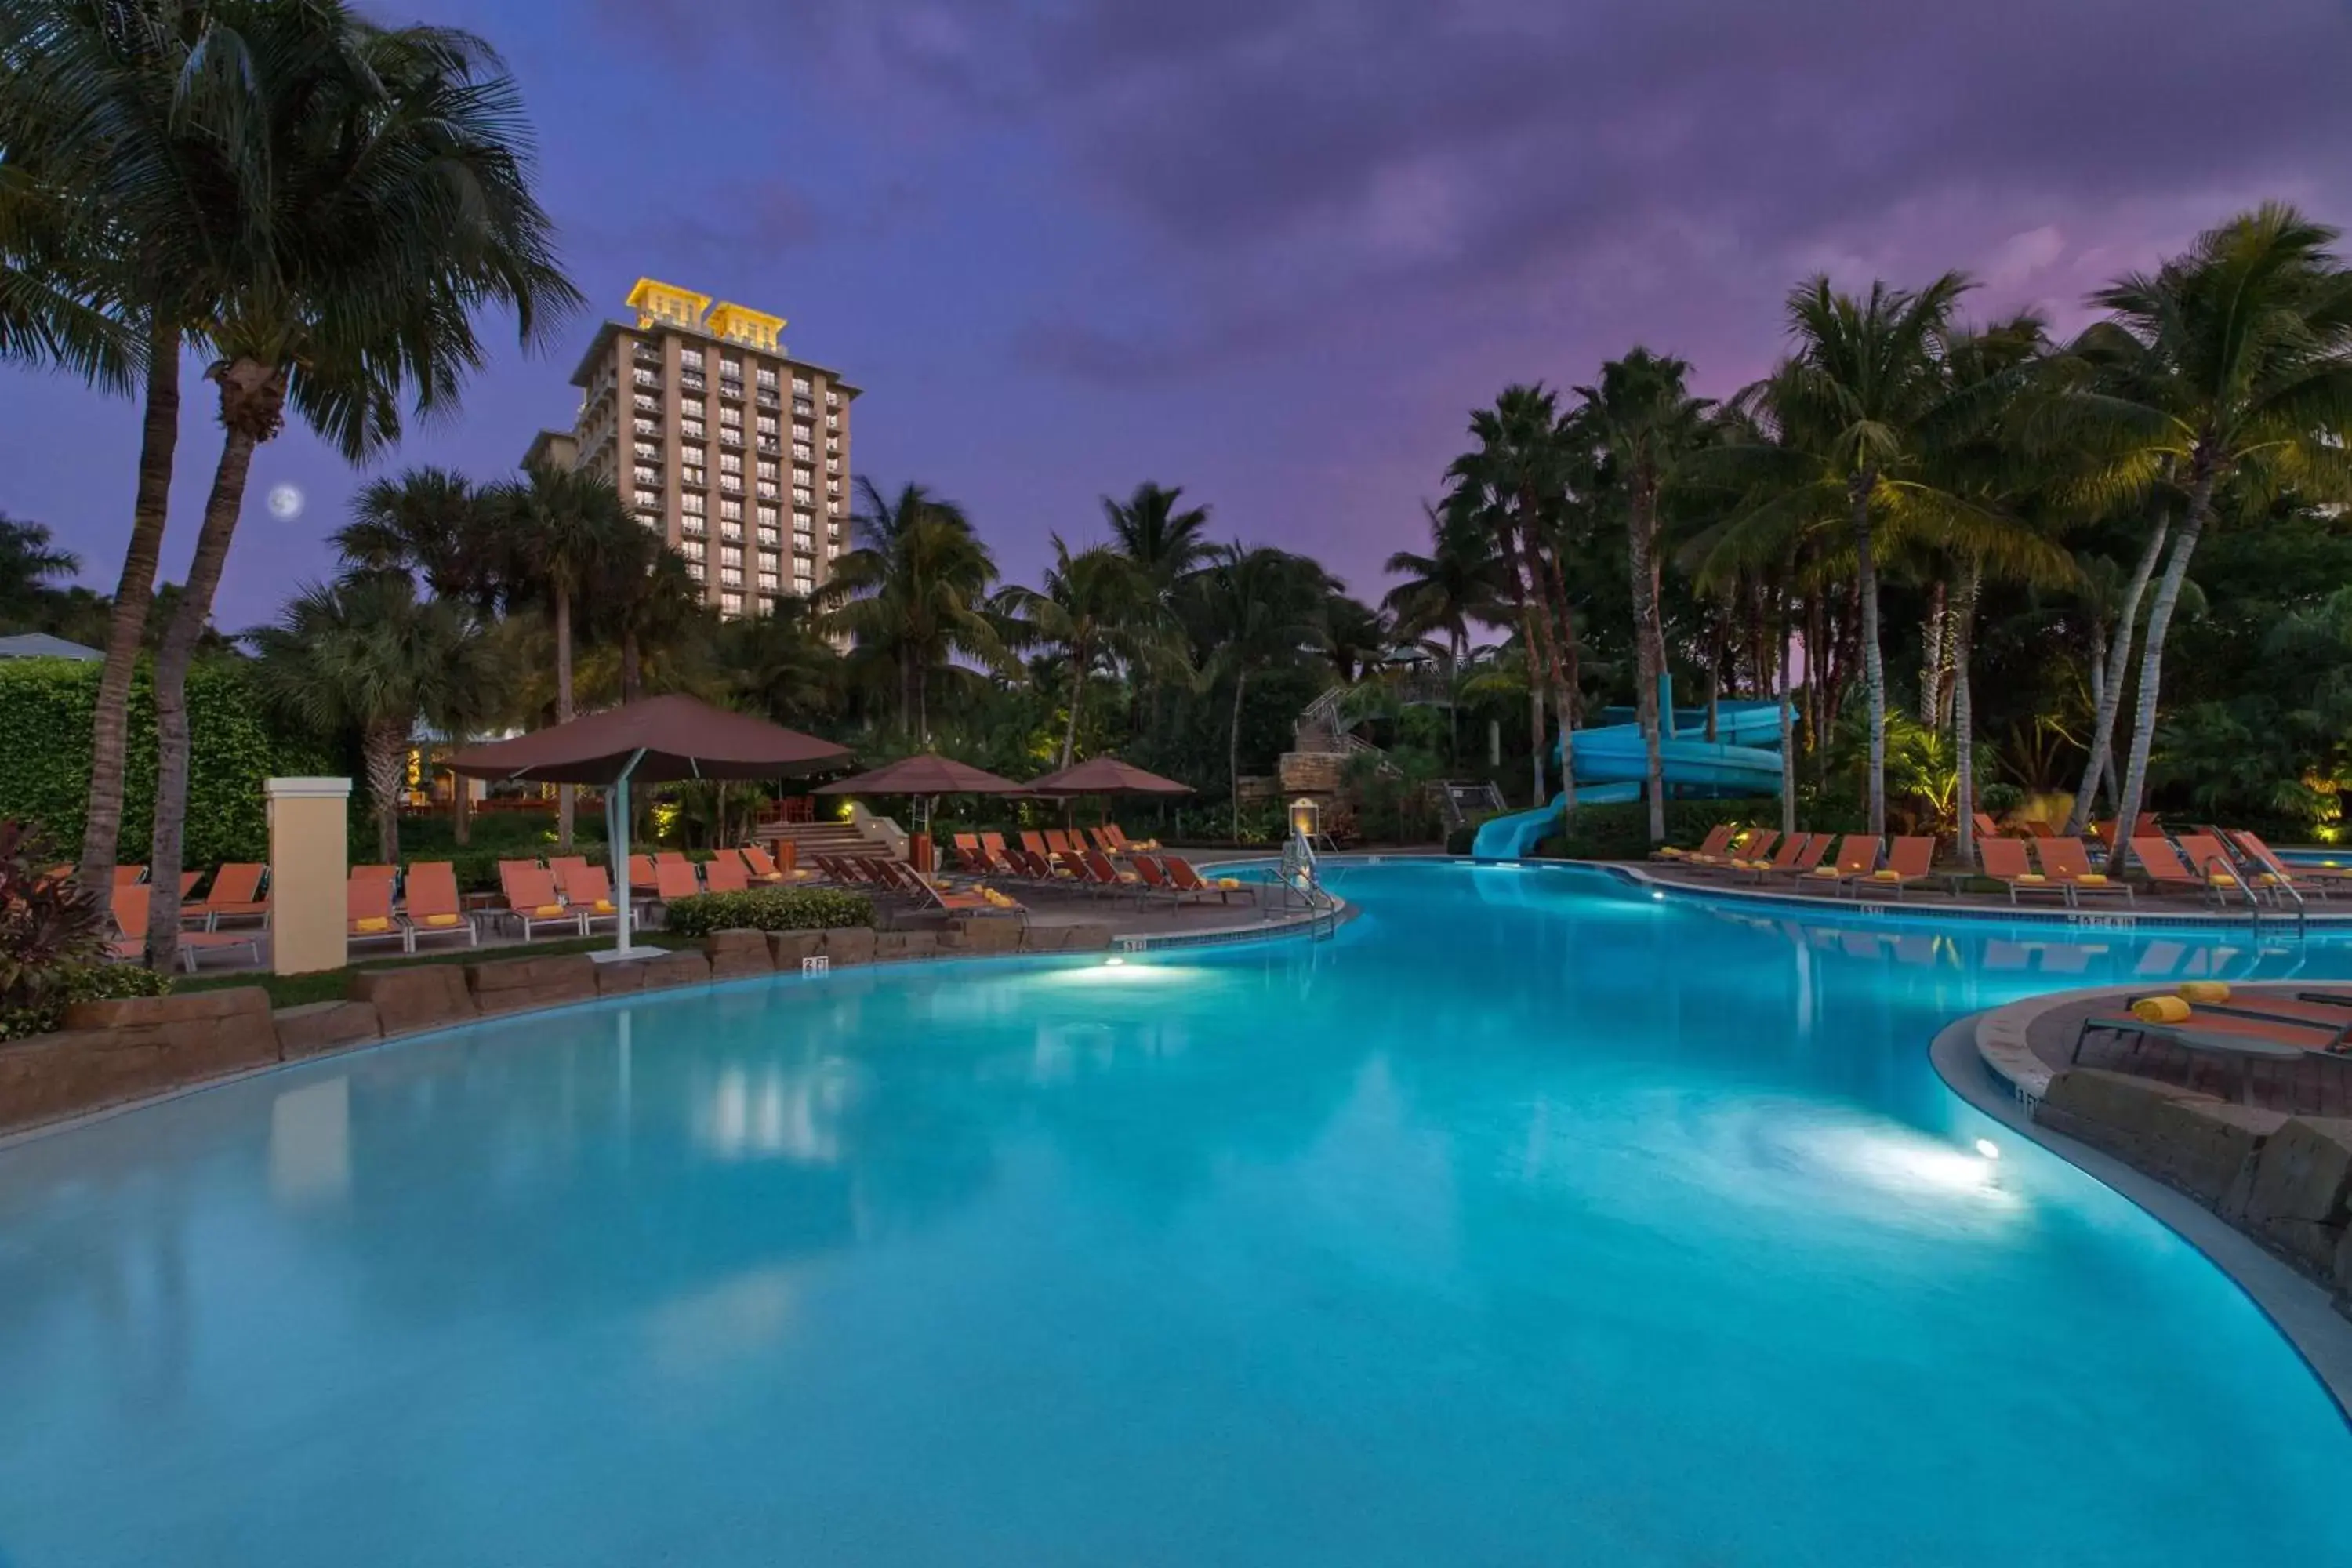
(1229, 881)
(372, 923)
(2219, 879)
(2203, 991)
(2092, 878)
(2029, 877)
(2160, 1010)
(1886, 875)
(1825, 871)
(1670, 853)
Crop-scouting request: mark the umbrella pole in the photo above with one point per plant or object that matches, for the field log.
(616, 802)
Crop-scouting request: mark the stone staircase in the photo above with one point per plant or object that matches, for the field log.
(809, 838)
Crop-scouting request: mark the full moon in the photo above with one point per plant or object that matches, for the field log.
(285, 502)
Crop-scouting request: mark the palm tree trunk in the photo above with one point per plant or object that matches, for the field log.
(2108, 686)
(1649, 646)
(566, 804)
(1234, 750)
(1568, 680)
(382, 748)
(1964, 719)
(1070, 732)
(461, 808)
(1932, 631)
(2151, 669)
(1788, 721)
(1535, 743)
(632, 676)
(172, 662)
(135, 594)
(1715, 684)
(1874, 667)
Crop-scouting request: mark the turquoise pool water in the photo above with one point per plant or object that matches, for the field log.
(1529, 1221)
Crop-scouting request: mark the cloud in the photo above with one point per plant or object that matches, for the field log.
(1318, 158)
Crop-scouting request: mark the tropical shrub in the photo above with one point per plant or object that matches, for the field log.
(769, 908)
(46, 706)
(78, 983)
(53, 938)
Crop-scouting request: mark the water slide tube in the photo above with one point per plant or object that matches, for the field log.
(1744, 761)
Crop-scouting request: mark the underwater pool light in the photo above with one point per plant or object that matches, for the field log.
(1988, 1149)
(1113, 963)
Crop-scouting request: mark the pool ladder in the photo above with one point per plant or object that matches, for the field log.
(2281, 889)
(1302, 880)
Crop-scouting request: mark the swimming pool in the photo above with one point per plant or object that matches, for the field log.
(1531, 1220)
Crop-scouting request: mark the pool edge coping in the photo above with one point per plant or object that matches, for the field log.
(2298, 1306)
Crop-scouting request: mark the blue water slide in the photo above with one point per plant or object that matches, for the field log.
(1744, 760)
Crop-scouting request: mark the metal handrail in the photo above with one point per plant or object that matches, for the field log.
(2237, 880)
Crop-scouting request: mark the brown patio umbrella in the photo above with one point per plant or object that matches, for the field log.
(1106, 775)
(925, 773)
(660, 740)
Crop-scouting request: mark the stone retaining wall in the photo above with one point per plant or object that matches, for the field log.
(2285, 1180)
(112, 1053)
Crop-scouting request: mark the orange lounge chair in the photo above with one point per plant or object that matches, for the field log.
(235, 894)
(1034, 842)
(367, 909)
(723, 873)
(1808, 860)
(1157, 879)
(760, 867)
(1910, 860)
(1753, 853)
(992, 846)
(433, 906)
(1986, 827)
(130, 906)
(1108, 876)
(558, 866)
(2037, 829)
(1180, 871)
(1718, 839)
(1058, 842)
(376, 873)
(2065, 862)
(2004, 860)
(1129, 845)
(533, 900)
(586, 889)
(1857, 856)
(1786, 856)
(674, 879)
(128, 875)
(2165, 871)
(2272, 872)
(927, 891)
(2239, 1041)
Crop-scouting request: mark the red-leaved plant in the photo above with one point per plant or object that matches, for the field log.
(49, 927)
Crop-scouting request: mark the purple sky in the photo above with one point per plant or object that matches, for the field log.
(1274, 252)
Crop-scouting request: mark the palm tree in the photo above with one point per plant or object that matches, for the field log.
(558, 531)
(1354, 636)
(779, 664)
(123, 124)
(1643, 418)
(915, 593)
(424, 521)
(28, 560)
(1458, 582)
(1259, 608)
(366, 655)
(1096, 606)
(2230, 368)
(2002, 517)
(1168, 542)
(1852, 411)
(1515, 486)
(368, 194)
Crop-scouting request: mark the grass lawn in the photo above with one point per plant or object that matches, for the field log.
(333, 985)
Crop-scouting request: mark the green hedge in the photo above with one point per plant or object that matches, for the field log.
(1623, 832)
(83, 982)
(769, 908)
(46, 706)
